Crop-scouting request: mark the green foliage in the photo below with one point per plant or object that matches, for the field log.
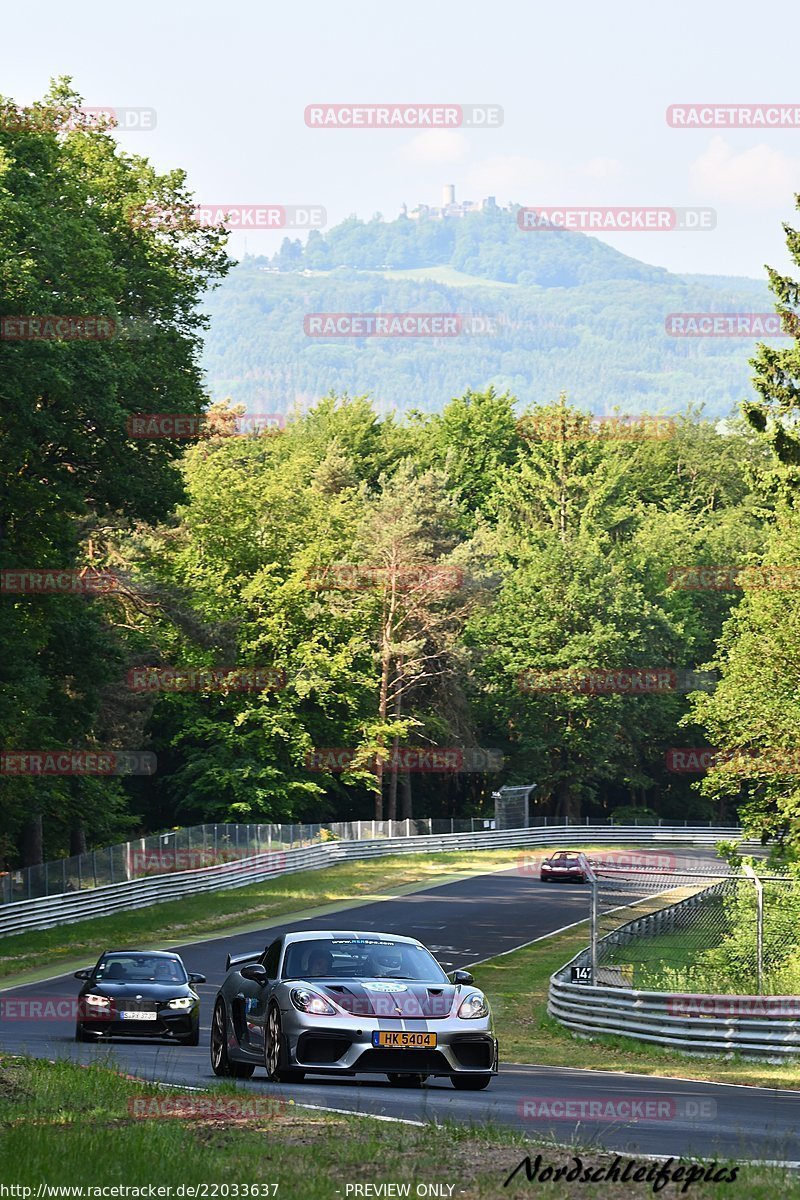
(70, 245)
(630, 814)
(558, 310)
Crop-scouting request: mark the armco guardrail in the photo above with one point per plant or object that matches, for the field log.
(69, 907)
(691, 1023)
(195, 846)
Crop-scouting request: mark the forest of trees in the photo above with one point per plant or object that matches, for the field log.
(396, 581)
(557, 310)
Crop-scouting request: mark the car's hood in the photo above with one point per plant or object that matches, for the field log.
(390, 997)
(120, 989)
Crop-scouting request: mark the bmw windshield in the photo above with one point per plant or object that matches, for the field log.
(139, 968)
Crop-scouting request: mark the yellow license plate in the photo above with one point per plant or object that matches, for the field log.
(402, 1039)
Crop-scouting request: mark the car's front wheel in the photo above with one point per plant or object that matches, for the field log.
(470, 1083)
(401, 1080)
(275, 1051)
(220, 1061)
(81, 1035)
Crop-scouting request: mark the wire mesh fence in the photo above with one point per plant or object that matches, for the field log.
(199, 846)
(705, 930)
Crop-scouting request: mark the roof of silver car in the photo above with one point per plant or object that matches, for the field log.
(349, 935)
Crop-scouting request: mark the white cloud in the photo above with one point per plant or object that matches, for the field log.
(436, 146)
(527, 180)
(759, 177)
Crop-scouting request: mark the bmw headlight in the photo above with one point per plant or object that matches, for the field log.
(310, 1002)
(474, 1005)
(98, 1001)
(181, 1002)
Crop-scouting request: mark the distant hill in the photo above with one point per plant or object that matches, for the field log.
(565, 311)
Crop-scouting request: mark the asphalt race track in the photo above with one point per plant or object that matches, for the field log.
(462, 923)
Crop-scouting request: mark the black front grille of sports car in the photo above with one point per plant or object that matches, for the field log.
(475, 1053)
(321, 1048)
(402, 1060)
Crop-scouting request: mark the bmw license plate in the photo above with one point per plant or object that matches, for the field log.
(402, 1039)
(139, 1016)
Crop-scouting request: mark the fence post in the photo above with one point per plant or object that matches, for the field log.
(759, 886)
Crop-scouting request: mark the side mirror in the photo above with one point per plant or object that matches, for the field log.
(196, 977)
(255, 972)
(86, 973)
(462, 977)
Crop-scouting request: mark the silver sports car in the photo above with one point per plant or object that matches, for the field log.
(332, 1003)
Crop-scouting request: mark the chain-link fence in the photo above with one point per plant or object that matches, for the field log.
(703, 930)
(204, 846)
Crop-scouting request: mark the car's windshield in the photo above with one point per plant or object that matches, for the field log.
(140, 968)
(361, 958)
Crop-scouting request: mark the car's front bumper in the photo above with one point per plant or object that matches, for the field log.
(562, 877)
(168, 1024)
(344, 1046)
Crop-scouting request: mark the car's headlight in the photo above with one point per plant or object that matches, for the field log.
(310, 1002)
(181, 1002)
(474, 1006)
(98, 1001)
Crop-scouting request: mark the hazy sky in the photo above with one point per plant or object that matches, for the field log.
(584, 88)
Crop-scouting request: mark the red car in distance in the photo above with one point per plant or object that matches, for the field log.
(567, 866)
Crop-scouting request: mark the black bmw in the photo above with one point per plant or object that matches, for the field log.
(132, 993)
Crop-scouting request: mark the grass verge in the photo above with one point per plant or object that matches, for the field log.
(72, 1126)
(517, 984)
